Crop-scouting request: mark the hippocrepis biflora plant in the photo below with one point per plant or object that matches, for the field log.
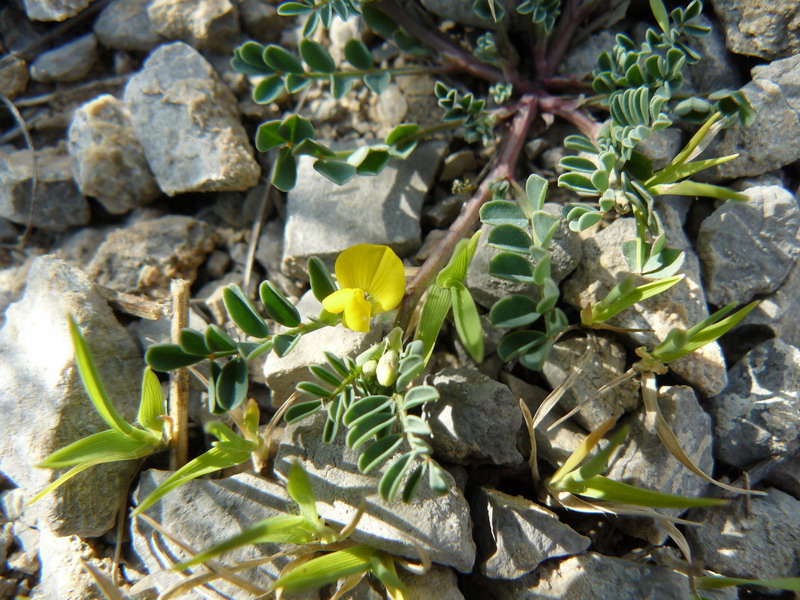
(374, 399)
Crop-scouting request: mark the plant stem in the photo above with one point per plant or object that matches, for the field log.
(528, 108)
(179, 380)
(574, 13)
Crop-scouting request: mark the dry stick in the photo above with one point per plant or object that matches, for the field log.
(574, 13)
(503, 169)
(179, 379)
(255, 233)
(35, 163)
(67, 92)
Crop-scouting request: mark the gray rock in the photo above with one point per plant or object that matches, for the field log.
(70, 62)
(565, 254)
(145, 256)
(769, 142)
(765, 30)
(40, 386)
(748, 249)
(107, 160)
(13, 76)
(6, 540)
(462, 13)
(269, 251)
(63, 575)
(786, 476)
(472, 418)
(125, 25)
(441, 213)
(608, 360)
(593, 576)
(717, 69)
(515, 535)
(757, 415)
(456, 164)
(683, 305)
(554, 446)
(207, 24)
(261, 20)
(661, 147)
(322, 218)
(78, 248)
(441, 525)
(205, 512)
(439, 582)
(645, 461)
(187, 122)
(54, 10)
(59, 204)
(12, 283)
(761, 543)
(283, 374)
(778, 312)
(582, 58)
(391, 106)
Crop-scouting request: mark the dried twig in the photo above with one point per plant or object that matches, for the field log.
(179, 379)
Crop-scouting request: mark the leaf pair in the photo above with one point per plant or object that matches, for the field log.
(123, 441)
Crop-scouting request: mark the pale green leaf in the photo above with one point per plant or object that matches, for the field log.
(603, 488)
(151, 407)
(468, 323)
(327, 569)
(299, 488)
(106, 446)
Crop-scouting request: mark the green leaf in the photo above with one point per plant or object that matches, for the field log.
(106, 446)
(284, 174)
(511, 238)
(410, 489)
(337, 171)
(341, 85)
(284, 343)
(268, 89)
(325, 375)
(373, 162)
(515, 310)
(221, 456)
(232, 384)
(693, 188)
(616, 302)
(251, 53)
(299, 488)
(294, 83)
(291, 9)
(468, 323)
(437, 479)
(434, 311)
(378, 451)
(313, 389)
(243, 313)
(512, 267)
(298, 412)
(364, 408)
(193, 342)
(368, 427)
(282, 60)
(358, 55)
(326, 569)
(535, 192)
(277, 306)
(401, 131)
(603, 488)
(393, 477)
(316, 56)
(151, 407)
(93, 384)
(312, 147)
(712, 582)
(503, 212)
(549, 296)
(517, 343)
(168, 357)
(218, 340)
(419, 395)
(280, 529)
(267, 136)
(378, 82)
(295, 129)
(322, 284)
(660, 13)
(410, 367)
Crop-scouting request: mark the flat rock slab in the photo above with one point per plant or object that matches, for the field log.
(683, 305)
(204, 512)
(107, 161)
(439, 524)
(70, 62)
(749, 248)
(757, 415)
(323, 218)
(187, 122)
(40, 388)
(515, 535)
(146, 256)
(764, 29)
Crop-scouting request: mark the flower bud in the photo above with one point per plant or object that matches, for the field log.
(387, 368)
(368, 368)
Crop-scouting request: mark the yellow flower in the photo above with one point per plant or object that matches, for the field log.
(373, 281)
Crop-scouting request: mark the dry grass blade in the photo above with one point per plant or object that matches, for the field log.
(103, 581)
(532, 459)
(668, 438)
(583, 449)
(35, 163)
(424, 557)
(552, 399)
(349, 583)
(351, 526)
(215, 567)
(617, 381)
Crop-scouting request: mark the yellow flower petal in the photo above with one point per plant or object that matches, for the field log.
(356, 309)
(375, 269)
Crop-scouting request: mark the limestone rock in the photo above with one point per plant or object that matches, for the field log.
(768, 31)
(145, 256)
(59, 205)
(63, 575)
(757, 415)
(472, 418)
(515, 535)
(40, 387)
(208, 24)
(323, 218)
(125, 25)
(107, 160)
(70, 62)
(186, 120)
(54, 10)
(439, 524)
(748, 249)
(13, 76)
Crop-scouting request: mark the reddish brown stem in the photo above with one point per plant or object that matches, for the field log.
(573, 15)
(527, 109)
